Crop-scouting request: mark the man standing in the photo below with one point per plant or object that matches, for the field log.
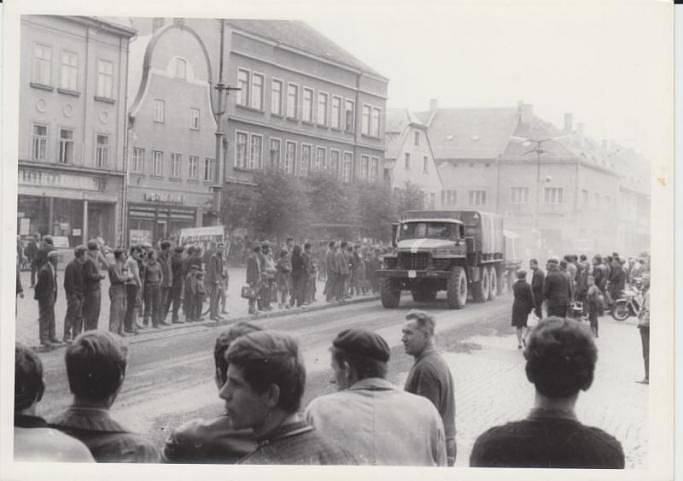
(430, 376)
(118, 276)
(331, 272)
(93, 294)
(177, 283)
(644, 328)
(556, 290)
(343, 269)
(46, 295)
(617, 280)
(153, 279)
(254, 277)
(214, 275)
(74, 287)
(46, 245)
(133, 287)
(537, 281)
(164, 260)
(30, 252)
(376, 421)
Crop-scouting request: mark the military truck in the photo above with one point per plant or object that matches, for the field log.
(458, 251)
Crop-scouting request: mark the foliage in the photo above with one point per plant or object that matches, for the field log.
(239, 205)
(410, 197)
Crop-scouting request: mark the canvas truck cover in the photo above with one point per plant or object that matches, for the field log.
(487, 229)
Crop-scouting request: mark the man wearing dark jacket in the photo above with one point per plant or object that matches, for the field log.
(46, 295)
(556, 290)
(537, 281)
(617, 280)
(164, 259)
(177, 282)
(30, 252)
(254, 277)
(93, 295)
(74, 287)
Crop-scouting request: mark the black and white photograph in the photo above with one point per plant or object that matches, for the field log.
(351, 234)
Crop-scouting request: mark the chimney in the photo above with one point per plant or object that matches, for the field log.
(525, 111)
(568, 123)
(433, 104)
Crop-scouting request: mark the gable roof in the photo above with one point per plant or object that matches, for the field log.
(300, 35)
(397, 123)
(470, 133)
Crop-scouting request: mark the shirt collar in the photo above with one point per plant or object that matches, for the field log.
(373, 384)
(426, 352)
(542, 413)
(89, 419)
(285, 431)
(25, 421)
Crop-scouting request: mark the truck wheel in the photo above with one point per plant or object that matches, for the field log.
(390, 294)
(456, 289)
(493, 283)
(483, 287)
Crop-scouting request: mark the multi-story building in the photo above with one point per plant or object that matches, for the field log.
(558, 189)
(171, 146)
(409, 158)
(72, 127)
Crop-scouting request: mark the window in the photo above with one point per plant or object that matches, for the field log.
(365, 127)
(209, 169)
(334, 162)
(102, 151)
(375, 122)
(307, 114)
(417, 138)
(292, 101)
(257, 91)
(305, 165)
(276, 97)
(193, 166)
(348, 116)
(585, 195)
(553, 195)
(322, 108)
(347, 167)
(336, 112)
(66, 146)
(374, 169)
(364, 167)
(451, 197)
(69, 80)
(425, 166)
(290, 157)
(243, 86)
(159, 111)
(157, 163)
(477, 197)
(39, 142)
(256, 152)
(407, 161)
(181, 68)
(176, 164)
(274, 153)
(320, 159)
(194, 119)
(519, 195)
(241, 150)
(105, 79)
(42, 64)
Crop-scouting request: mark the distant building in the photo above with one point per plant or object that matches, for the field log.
(409, 157)
(561, 196)
(72, 127)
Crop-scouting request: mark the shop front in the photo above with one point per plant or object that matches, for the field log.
(160, 217)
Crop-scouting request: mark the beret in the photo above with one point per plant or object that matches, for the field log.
(363, 342)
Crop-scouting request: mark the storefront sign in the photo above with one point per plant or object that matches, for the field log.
(139, 236)
(201, 235)
(24, 226)
(60, 241)
(42, 178)
(165, 197)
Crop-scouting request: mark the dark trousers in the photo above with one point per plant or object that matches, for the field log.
(176, 289)
(645, 341)
(130, 319)
(34, 270)
(91, 309)
(299, 290)
(214, 297)
(117, 307)
(73, 320)
(165, 301)
(253, 300)
(152, 304)
(330, 285)
(46, 321)
(538, 305)
(558, 310)
(341, 284)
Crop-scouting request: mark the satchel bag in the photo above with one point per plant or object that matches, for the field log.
(248, 292)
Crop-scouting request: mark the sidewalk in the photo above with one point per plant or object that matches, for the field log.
(27, 308)
(491, 388)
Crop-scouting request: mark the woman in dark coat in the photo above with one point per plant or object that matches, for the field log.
(299, 276)
(522, 306)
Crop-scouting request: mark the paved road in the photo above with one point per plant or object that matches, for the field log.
(170, 377)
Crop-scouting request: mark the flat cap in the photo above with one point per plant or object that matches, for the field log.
(363, 342)
(52, 254)
(80, 249)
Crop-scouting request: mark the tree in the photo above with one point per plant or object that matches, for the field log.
(410, 197)
(239, 205)
(377, 210)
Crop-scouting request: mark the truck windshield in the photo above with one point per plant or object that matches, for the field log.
(427, 230)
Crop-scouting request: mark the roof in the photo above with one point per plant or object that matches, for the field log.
(299, 35)
(397, 121)
(470, 133)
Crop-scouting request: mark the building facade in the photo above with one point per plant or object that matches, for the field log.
(171, 147)
(409, 158)
(71, 172)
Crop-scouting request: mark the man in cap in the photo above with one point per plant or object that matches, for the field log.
(430, 376)
(74, 287)
(556, 289)
(46, 295)
(379, 423)
(93, 295)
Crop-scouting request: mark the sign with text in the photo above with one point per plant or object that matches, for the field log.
(139, 236)
(42, 178)
(202, 235)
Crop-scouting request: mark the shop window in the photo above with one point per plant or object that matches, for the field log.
(39, 142)
(102, 151)
(66, 146)
(105, 79)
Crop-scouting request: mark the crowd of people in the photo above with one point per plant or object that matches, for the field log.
(260, 377)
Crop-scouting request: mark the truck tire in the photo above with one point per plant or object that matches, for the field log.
(456, 289)
(390, 294)
(424, 294)
(493, 283)
(482, 287)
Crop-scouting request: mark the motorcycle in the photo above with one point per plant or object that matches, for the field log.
(629, 304)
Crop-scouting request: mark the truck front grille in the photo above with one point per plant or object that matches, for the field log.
(414, 262)
(442, 264)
